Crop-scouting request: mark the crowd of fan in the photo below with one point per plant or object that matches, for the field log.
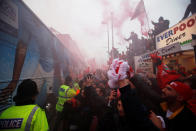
(138, 103)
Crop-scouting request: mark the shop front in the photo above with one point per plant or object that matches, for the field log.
(181, 33)
(144, 63)
(182, 60)
(174, 56)
(175, 45)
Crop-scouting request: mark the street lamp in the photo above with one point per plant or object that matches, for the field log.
(108, 35)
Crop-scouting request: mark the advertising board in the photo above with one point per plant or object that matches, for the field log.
(181, 33)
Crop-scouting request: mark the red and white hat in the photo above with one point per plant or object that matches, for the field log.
(182, 89)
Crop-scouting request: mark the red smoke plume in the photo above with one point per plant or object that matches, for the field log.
(120, 15)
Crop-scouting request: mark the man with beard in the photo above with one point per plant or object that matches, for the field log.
(177, 115)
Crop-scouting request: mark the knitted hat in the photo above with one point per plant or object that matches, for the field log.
(182, 89)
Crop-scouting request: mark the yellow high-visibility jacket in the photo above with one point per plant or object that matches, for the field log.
(65, 94)
(23, 118)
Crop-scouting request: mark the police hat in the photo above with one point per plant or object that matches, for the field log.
(26, 90)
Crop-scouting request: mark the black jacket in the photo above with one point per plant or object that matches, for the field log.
(136, 113)
(184, 121)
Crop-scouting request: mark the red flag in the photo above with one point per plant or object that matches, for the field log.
(141, 15)
(138, 10)
(164, 74)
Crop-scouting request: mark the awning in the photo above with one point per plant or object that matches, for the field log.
(170, 49)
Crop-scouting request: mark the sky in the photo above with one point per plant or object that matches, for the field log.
(84, 20)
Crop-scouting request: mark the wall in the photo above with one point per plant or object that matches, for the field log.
(29, 50)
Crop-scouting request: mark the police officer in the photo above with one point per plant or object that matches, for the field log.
(66, 92)
(25, 115)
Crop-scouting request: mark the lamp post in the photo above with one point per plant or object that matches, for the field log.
(108, 38)
(112, 36)
(112, 30)
(108, 35)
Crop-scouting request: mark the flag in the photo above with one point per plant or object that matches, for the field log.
(138, 10)
(141, 15)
